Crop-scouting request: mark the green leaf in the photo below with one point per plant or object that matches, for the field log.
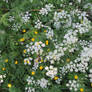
(14, 89)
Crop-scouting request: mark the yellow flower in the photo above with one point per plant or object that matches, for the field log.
(68, 60)
(81, 89)
(41, 67)
(41, 60)
(91, 84)
(33, 39)
(28, 61)
(9, 85)
(22, 39)
(24, 31)
(36, 32)
(3, 69)
(33, 73)
(16, 62)
(56, 77)
(24, 51)
(6, 60)
(76, 77)
(24, 61)
(45, 30)
(47, 42)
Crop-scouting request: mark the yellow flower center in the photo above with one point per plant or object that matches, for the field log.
(16, 62)
(9, 85)
(81, 89)
(22, 39)
(28, 61)
(56, 77)
(45, 30)
(91, 84)
(41, 60)
(24, 51)
(41, 67)
(33, 39)
(33, 73)
(68, 60)
(36, 32)
(6, 60)
(3, 69)
(24, 61)
(47, 42)
(76, 77)
(24, 31)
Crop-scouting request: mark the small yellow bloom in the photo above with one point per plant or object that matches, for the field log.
(3, 69)
(9, 85)
(36, 32)
(16, 62)
(81, 89)
(41, 67)
(91, 84)
(24, 51)
(28, 61)
(41, 60)
(47, 42)
(6, 60)
(45, 31)
(56, 77)
(33, 73)
(68, 60)
(24, 31)
(22, 39)
(76, 77)
(33, 39)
